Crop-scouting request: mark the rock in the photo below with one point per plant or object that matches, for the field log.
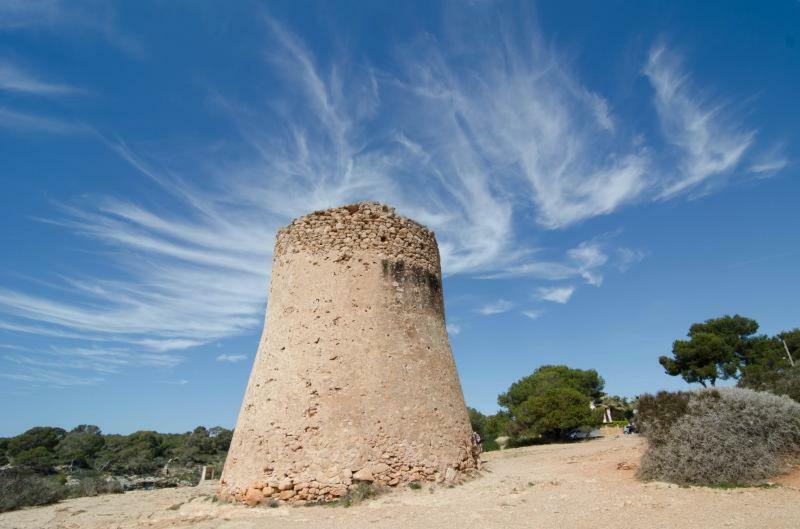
(286, 494)
(253, 497)
(365, 474)
(267, 491)
(286, 484)
(380, 468)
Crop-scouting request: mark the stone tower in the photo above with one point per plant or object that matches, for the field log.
(354, 379)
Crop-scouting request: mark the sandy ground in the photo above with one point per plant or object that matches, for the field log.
(589, 484)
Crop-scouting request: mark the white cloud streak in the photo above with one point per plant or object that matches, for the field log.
(15, 79)
(556, 294)
(231, 358)
(532, 314)
(93, 16)
(496, 307)
(710, 143)
(24, 122)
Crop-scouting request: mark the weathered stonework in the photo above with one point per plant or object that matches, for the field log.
(354, 379)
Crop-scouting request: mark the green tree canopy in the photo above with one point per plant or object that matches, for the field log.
(715, 350)
(80, 446)
(545, 378)
(767, 367)
(551, 401)
(39, 459)
(553, 413)
(46, 437)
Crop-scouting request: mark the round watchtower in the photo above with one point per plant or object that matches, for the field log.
(354, 379)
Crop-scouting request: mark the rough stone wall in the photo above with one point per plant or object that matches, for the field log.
(354, 379)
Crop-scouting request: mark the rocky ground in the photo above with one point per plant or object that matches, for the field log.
(589, 484)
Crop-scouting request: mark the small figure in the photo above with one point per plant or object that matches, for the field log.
(476, 438)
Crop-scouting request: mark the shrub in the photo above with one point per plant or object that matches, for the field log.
(94, 486)
(657, 413)
(20, 488)
(38, 459)
(362, 491)
(728, 435)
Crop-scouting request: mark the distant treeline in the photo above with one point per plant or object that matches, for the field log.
(47, 450)
(47, 464)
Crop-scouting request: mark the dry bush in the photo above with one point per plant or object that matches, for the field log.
(363, 491)
(20, 488)
(727, 435)
(657, 413)
(94, 486)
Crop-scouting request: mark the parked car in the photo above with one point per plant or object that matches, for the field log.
(629, 428)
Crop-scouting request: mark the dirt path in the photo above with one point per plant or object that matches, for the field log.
(583, 485)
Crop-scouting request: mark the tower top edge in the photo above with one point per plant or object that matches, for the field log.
(369, 227)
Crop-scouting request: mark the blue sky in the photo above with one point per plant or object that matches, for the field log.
(599, 176)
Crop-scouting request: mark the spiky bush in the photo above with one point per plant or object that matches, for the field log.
(657, 413)
(727, 435)
(22, 488)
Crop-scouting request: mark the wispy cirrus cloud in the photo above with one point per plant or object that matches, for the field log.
(231, 358)
(496, 307)
(556, 294)
(480, 150)
(15, 79)
(58, 366)
(31, 123)
(585, 261)
(92, 16)
(533, 314)
(710, 141)
(18, 81)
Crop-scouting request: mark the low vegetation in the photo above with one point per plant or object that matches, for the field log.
(729, 436)
(47, 464)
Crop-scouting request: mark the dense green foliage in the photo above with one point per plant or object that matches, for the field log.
(553, 414)
(766, 365)
(547, 378)
(713, 351)
(551, 402)
(42, 458)
(715, 436)
(547, 405)
(728, 347)
(46, 450)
